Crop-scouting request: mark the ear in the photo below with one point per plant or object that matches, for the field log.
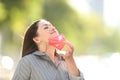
(36, 40)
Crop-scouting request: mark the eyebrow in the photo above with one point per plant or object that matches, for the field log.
(46, 24)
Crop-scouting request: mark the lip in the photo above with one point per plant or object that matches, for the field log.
(52, 32)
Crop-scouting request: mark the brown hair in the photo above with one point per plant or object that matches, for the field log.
(29, 45)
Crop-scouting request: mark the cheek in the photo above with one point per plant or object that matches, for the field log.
(44, 36)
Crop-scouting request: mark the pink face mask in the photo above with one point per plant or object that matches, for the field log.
(57, 41)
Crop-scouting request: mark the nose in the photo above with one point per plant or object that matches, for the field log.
(53, 28)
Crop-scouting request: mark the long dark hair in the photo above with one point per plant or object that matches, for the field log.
(29, 45)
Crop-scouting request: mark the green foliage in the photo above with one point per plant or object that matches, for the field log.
(87, 33)
(2, 12)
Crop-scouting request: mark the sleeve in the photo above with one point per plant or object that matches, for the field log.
(72, 77)
(22, 71)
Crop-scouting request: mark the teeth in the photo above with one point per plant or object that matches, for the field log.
(61, 52)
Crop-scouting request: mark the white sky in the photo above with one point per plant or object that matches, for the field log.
(80, 5)
(111, 11)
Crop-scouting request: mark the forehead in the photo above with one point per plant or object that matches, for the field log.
(43, 22)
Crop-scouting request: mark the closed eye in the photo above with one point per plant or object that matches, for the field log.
(46, 27)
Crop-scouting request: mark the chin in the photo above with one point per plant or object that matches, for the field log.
(55, 34)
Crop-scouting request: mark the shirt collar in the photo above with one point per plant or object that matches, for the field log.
(38, 53)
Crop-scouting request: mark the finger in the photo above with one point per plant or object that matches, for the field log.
(69, 51)
(69, 44)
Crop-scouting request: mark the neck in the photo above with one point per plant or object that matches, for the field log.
(51, 53)
(49, 50)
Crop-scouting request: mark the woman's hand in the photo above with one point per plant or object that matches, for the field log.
(71, 65)
(69, 51)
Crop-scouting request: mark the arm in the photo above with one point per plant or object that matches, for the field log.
(73, 71)
(22, 71)
(71, 66)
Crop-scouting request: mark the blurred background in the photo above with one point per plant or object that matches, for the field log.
(92, 26)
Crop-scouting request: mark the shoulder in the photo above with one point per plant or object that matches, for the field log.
(31, 57)
(27, 58)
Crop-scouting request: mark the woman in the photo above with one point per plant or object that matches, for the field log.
(40, 60)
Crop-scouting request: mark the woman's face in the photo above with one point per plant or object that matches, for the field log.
(46, 30)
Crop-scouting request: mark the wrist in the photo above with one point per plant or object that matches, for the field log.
(69, 59)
